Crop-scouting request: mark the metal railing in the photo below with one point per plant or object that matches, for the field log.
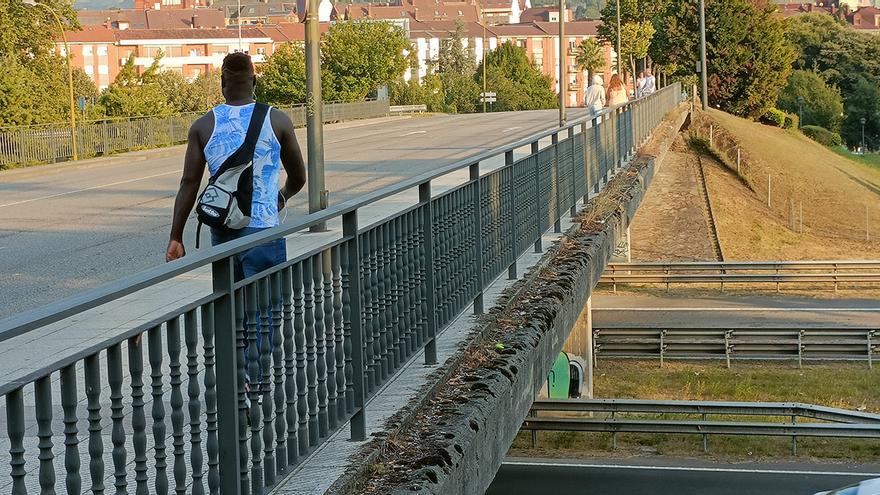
(784, 343)
(742, 272)
(240, 386)
(52, 142)
(407, 109)
(826, 422)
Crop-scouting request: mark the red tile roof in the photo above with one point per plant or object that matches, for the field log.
(289, 31)
(92, 34)
(153, 19)
(163, 34)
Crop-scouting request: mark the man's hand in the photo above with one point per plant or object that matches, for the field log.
(175, 250)
(281, 201)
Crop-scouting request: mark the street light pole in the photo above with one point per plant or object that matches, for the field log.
(704, 71)
(238, 19)
(618, 37)
(800, 100)
(485, 45)
(563, 60)
(863, 121)
(318, 195)
(73, 143)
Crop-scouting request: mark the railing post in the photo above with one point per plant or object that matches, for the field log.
(870, 350)
(585, 164)
(508, 161)
(227, 377)
(474, 170)
(573, 208)
(557, 223)
(430, 301)
(353, 274)
(534, 151)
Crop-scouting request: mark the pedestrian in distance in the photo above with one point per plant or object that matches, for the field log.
(650, 84)
(594, 100)
(616, 92)
(640, 84)
(216, 136)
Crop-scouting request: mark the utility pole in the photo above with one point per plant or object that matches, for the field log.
(485, 47)
(238, 19)
(563, 60)
(318, 195)
(704, 72)
(618, 38)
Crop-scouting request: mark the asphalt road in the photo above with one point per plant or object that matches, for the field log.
(71, 227)
(670, 477)
(735, 311)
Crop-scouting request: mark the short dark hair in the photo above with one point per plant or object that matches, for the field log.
(237, 68)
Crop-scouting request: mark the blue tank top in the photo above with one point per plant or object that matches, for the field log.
(230, 127)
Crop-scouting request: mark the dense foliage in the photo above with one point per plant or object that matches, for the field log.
(846, 59)
(822, 135)
(748, 56)
(519, 85)
(822, 104)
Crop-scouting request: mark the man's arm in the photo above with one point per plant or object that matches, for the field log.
(291, 156)
(193, 170)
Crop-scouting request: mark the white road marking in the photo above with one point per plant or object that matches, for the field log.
(414, 132)
(738, 309)
(686, 468)
(89, 189)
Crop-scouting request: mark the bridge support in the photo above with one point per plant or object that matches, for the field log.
(580, 346)
(622, 251)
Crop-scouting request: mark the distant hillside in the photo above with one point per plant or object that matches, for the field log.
(103, 4)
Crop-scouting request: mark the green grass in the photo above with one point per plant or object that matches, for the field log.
(870, 159)
(844, 385)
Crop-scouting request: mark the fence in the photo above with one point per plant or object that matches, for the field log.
(808, 343)
(340, 318)
(838, 423)
(743, 272)
(52, 142)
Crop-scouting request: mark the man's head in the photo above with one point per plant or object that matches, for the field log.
(647, 72)
(237, 76)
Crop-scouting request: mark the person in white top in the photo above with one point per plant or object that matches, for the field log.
(616, 92)
(650, 84)
(640, 84)
(594, 100)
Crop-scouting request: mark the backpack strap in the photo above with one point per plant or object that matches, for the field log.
(245, 152)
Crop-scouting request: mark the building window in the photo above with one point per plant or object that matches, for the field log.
(87, 51)
(102, 51)
(103, 69)
(261, 51)
(571, 45)
(89, 70)
(521, 43)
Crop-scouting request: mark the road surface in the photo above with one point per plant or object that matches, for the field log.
(734, 311)
(64, 229)
(671, 477)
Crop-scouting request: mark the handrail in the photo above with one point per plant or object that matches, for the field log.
(23, 322)
(743, 265)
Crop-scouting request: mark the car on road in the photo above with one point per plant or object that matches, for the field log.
(867, 487)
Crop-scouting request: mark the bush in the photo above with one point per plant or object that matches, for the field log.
(774, 117)
(791, 121)
(822, 135)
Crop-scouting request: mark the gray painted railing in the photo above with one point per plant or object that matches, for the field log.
(215, 408)
(52, 142)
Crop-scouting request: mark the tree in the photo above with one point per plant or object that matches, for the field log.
(590, 57)
(137, 95)
(31, 31)
(361, 56)
(454, 59)
(282, 79)
(635, 40)
(863, 103)
(517, 82)
(823, 105)
(748, 57)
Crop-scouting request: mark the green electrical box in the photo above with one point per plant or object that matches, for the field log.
(559, 380)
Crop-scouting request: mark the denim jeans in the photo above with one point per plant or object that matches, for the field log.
(249, 263)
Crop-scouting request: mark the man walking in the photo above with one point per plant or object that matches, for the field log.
(217, 135)
(650, 84)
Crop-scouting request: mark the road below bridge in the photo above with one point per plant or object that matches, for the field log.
(671, 477)
(70, 227)
(732, 311)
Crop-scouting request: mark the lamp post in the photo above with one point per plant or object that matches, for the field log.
(704, 72)
(618, 37)
(800, 100)
(33, 3)
(485, 46)
(318, 196)
(863, 121)
(563, 60)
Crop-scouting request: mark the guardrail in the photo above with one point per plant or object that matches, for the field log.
(320, 333)
(806, 343)
(840, 423)
(743, 272)
(52, 142)
(407, 109)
